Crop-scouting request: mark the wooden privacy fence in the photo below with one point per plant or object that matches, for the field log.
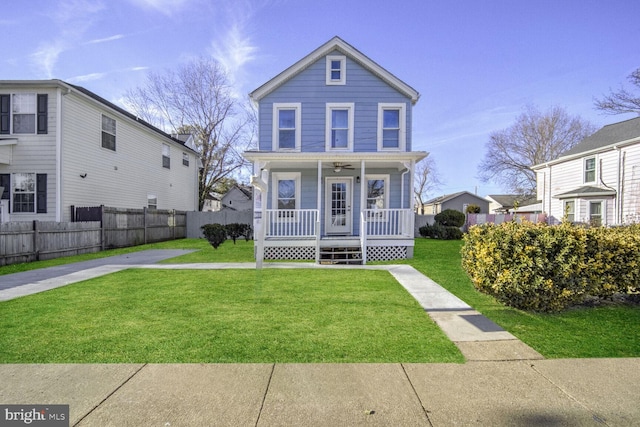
(131, 227)
(93, 229)
(36, 240)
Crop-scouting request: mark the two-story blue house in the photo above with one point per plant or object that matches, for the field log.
(333, 172)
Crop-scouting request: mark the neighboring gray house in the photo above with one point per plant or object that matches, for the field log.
(238, 198)
(598, 180)
(333, 172)
(62, 145)
(456, 201)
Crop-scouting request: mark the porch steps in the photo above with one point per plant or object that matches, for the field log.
(341, 255)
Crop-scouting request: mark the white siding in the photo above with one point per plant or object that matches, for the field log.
(631, 184)
(36, 154)
(122, 178)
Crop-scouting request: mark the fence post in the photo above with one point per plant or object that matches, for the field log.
(36, 248)
(102, 233)
(144, 223)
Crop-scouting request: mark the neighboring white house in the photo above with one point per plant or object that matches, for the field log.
(333, 173)
(62, 145)
(598, 180)
(505, 203)
(238, 198)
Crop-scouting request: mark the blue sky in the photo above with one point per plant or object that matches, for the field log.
(476, 63)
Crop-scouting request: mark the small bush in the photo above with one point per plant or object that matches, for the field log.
(234, 231)
(437, 231)
(216, 234)
(450, 217)
(473, 209)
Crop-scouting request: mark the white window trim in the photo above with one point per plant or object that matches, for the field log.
(12, 113)
(279, 176)
(402, 143)
(35, 194)
(350, 107)
(575, 208)
(343, 70)
(277, 106)
(603, 213)
(115, 134)
(595, 170)
(380, 216)
(150, 197)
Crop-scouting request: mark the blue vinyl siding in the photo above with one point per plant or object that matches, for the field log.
(363, 88)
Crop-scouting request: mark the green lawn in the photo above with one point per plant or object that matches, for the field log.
(611, 331)
(241, 316)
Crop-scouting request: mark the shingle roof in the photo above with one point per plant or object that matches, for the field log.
(508, 200)
(447, 197)
(608, 135)
(586, 191)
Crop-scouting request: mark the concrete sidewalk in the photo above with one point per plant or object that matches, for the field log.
(582, 392)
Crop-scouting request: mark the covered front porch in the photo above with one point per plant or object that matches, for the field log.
(328, 207)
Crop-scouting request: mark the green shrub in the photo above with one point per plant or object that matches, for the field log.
(450, 217)
(473, 209)
(437, 231)
(216, 234)
(548, 268)
(235, 230)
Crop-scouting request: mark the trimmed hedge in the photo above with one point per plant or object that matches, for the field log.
(437, 231)
(549, 268)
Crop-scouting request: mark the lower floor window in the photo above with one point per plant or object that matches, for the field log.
(570, 210)
(595, 213)
(152, 201)
(24, 192)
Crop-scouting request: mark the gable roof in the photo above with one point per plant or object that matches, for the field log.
(96, 98)
(607, 138)
(508, 200)
(335, 43)
(446, 197)
(608, 135)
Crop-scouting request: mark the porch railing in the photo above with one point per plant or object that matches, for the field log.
(387, 222)
(301, 223)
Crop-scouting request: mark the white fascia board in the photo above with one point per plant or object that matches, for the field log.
(335, 43)
(612, 146)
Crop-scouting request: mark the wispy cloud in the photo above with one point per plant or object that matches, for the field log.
(87, 77)
(166, 7)
(233, 47)
(106, 39)
(73, 18)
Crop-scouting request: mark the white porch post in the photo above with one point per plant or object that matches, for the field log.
(412, 199)
(318, 206)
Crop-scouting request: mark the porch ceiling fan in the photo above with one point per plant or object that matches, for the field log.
(338, 166)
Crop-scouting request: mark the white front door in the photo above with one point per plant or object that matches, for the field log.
(338, 205)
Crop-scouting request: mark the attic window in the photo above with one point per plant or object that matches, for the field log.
(336, 70)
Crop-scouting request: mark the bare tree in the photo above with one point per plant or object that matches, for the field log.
(426, 180)
(534, 138)
(197, 99)
(622, 101)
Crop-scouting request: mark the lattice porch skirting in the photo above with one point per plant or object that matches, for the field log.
(386, 253)
(292, 252)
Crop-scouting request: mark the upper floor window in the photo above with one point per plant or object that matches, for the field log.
(339, 129)
(108, 133)
(286, 126)
(590, 169)
(391, 126)
(23, 113)
(336, 70)
(185, 159)
(166, 156)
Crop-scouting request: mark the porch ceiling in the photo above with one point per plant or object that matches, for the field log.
(310, 160)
